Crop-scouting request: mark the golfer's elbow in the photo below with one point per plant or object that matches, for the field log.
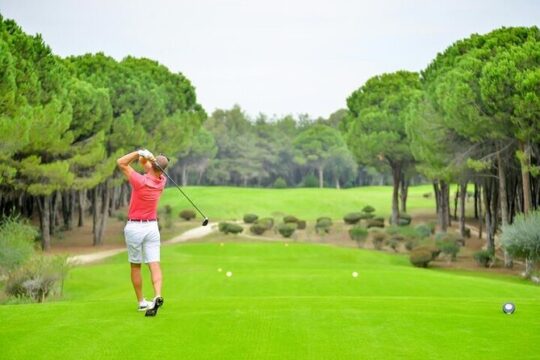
(123, 166)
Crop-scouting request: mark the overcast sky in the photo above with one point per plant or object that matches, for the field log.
(276, 57)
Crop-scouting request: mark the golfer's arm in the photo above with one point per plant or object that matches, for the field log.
(124, 161)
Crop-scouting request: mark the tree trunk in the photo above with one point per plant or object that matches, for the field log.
(396, 177)
(82, 205)
(44, 207)
(104, 214)
(525, 164)
(503, 198)
(184, 175)
(320, 170)
(337, 182)
(96, 213)
(475, 201)
(199, 179)
(444, 213)
(489, 220)
(462, 198)
(529, 267)
(404, 194)
(480, 216)
(456, 201)
(436, 191)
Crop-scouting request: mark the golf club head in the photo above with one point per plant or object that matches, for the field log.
(205, 222)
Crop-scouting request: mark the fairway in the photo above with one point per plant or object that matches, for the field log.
(224, 203)
(282, 302)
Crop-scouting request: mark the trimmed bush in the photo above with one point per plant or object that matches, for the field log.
(366, 216)
(449, 237)
(410, 244)
(393, 243)
(257, 229)
(358, 234)
(448, 247)
(286, 229)
(290, 219)
(16, 243)
(323, 225)
(266, 222)
(378, 237)
(280, 183)
(433, 250)
(406, 217)
(352, 218)
(420, 257)
(423, 231)
(398, 237)
(324, 219)
(368, 209)
(484, 258)
(375, 223)
(250, 218)
(229, 228)
(403, 220)
(187, 214)
(301, 224)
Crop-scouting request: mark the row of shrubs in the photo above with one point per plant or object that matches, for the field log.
(29, 275)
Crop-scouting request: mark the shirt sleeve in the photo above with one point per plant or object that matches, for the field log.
(136, 180)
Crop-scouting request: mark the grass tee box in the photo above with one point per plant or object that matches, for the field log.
(221, 203)
(297, 301)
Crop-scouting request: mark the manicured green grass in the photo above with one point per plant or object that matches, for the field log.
(282, 302)
(223, 203)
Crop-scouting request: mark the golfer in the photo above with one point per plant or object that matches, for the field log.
(141, 231)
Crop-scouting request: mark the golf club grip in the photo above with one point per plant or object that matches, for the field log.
(178, 187)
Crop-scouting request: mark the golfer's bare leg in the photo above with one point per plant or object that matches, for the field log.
(136, 279)
(155, 270)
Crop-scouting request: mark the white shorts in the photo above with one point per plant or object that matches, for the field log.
(143, 241)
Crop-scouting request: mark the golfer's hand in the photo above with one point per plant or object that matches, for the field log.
(146, 154)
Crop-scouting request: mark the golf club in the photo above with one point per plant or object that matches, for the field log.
(205, 221)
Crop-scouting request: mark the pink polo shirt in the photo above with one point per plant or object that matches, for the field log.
(146, 190)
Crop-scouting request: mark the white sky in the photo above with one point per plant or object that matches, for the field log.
(276, 57)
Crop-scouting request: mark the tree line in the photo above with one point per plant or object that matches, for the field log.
(233, 149)
(472, 117)
(64, 122)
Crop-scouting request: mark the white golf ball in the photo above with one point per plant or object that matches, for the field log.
(229, 274)
(219, 270)
(354, 274)
(509, 308)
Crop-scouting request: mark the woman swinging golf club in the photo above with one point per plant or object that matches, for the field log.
(141, 231)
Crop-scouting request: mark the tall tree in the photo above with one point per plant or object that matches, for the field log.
(315, 146)
(375, 125)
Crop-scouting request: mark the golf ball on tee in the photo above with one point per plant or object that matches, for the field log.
(229, 274)
(354, 274)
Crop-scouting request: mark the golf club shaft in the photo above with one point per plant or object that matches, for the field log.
(178, 187)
